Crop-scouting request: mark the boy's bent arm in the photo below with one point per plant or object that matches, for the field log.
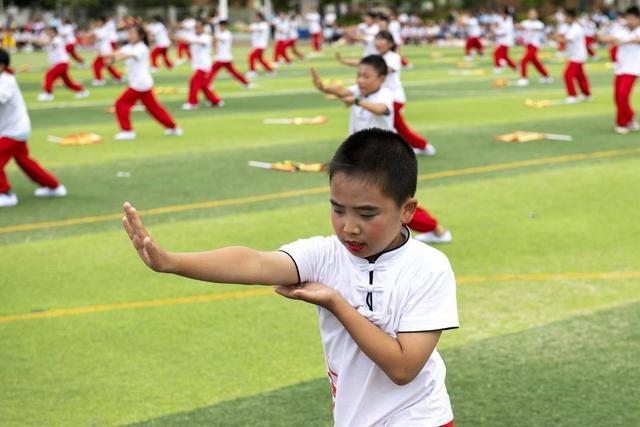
(401, 358)
(233, 264)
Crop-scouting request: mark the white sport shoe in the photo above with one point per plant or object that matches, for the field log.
(522, 82)
(633, 126)
(249, 86)
(82, 94)
(98, 83)
(498, 70)
(546, 80)
(429, 150)
(432, 237)
(468, 58)
(125, 135)
(621, 130)
(59, 191)
(174, 132)
(8, 199)
(187, 106)
(571, 100)
(45, 97)
(218, 105)
(585, 98)
(251, 75)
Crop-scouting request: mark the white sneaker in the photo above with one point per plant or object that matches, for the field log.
(98, 83)
(188, 106)
(522, 82)
(621, 130)
(249, 86)
(59, 191)
(633, 125)
(120, 81)
(179, 61)
(45, 97)
(82, 94)
(8, 199)
(429, 150)
(432, 237)
(154, 69)
(125, 135)
(571, 100)
(174, 132)
(219, 104)
(468, 58)
(585, 98)
(498, 70)
(83, 66)
(546, 80)
(251, 75)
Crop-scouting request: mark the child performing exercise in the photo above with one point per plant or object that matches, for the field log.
(372, 106)
(383, 298)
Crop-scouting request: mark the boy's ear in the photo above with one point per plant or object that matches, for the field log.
(408, 209)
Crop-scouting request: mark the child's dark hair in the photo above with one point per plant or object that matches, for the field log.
(223, 22)
(5, 59)
(142, 34)
(53, 29)
(377, 63)
(634, 10)
(378, 156)
(260, 16)
(386, 35)
(571, 13)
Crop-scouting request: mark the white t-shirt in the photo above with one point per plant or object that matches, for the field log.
(364, 119)
(67, 32)
(330, 18)
(532, 32)
(628, 56)
(223, 46)
(392, 82)
(472, 26)
(103, 40)
(188, 26)
(369, 33)
(281, 32)
(112, 30)
(409, 289)
(314, 22)
(396, 30)
(138, 66)
(200, 48)
(504, 31)
(14, 119)
(56, 52)
(259, 34)
(576, 45)
(159, 33)
(293, 29)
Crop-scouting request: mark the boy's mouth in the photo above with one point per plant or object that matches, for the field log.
(354, 246)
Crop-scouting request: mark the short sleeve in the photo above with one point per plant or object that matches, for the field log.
(308, 256)
(394, 62)
(355, 91)
(127, 50)
(432, 305)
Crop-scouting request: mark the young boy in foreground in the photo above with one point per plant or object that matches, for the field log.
(383, 298)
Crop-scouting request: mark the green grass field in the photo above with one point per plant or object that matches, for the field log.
(545, 250)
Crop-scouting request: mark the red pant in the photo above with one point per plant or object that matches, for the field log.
(532, 56)
(622, 95)
(257, 54)
(501, 56)
(613, 52)
(317, 41)
(422, 221)
(98, 65)
(157, 51)
(473, 43)
(575, 71)
(71, 50)
(62, 71)
(403, 129)
(183, 50)
(12, 148)
(128, 99)
(200, 82)
(230, 68)
(588, 40)
(292, 44)
(280, 51)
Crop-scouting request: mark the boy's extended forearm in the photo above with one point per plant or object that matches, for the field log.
(376, 108)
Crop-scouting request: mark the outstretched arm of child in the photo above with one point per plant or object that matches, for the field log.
(232, 264)
(336, 90)
(347, 61)
(401, 358)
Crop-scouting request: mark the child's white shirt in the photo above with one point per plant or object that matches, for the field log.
(138, 74)
(504, 32)
(224, 39)
(200, 48)
(532, 32)
(472, 26)
(395, 29)
(103, 41)
(362, 118)
(259, 34)
(369, 32)
(56, 51)
(160, 35)
(314, 22)
(67, 31)
(628, 56)
(576, 44)
(409, 289)
(14, 119)
(392, 82)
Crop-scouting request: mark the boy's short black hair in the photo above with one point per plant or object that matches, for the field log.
(634, 10)
(223, 22)
(5, 58)
(571, 13)
(378, 156)
(377, 63)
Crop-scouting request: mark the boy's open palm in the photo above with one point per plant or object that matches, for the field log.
(148, 250)
(314, 293)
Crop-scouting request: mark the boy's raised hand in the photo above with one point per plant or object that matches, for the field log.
(150, 253)
(314, 293)
(316, 79)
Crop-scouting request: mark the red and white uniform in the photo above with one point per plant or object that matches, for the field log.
(186, 30)
(67, 32)
(281, 36)
(259, 41)
(369, 32)
(409, 289)
(200, 48)
(627, 70)
(58, 66)
(474, 32)
(362, 118)
(590, 30)
(504, 41)
(56, 52)
(532, 36)
(104, 48)
(112, 30)
(224, 57)
(576, 48)
(15, 129)
(161, 44)
(140, 88)
(315, 29)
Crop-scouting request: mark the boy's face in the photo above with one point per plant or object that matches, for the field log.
(366, 220)
(368, 80)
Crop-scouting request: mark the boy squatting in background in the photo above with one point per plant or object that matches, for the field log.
(383, 298)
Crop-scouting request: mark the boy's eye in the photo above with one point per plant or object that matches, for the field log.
(338, 211)
(368, 215)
